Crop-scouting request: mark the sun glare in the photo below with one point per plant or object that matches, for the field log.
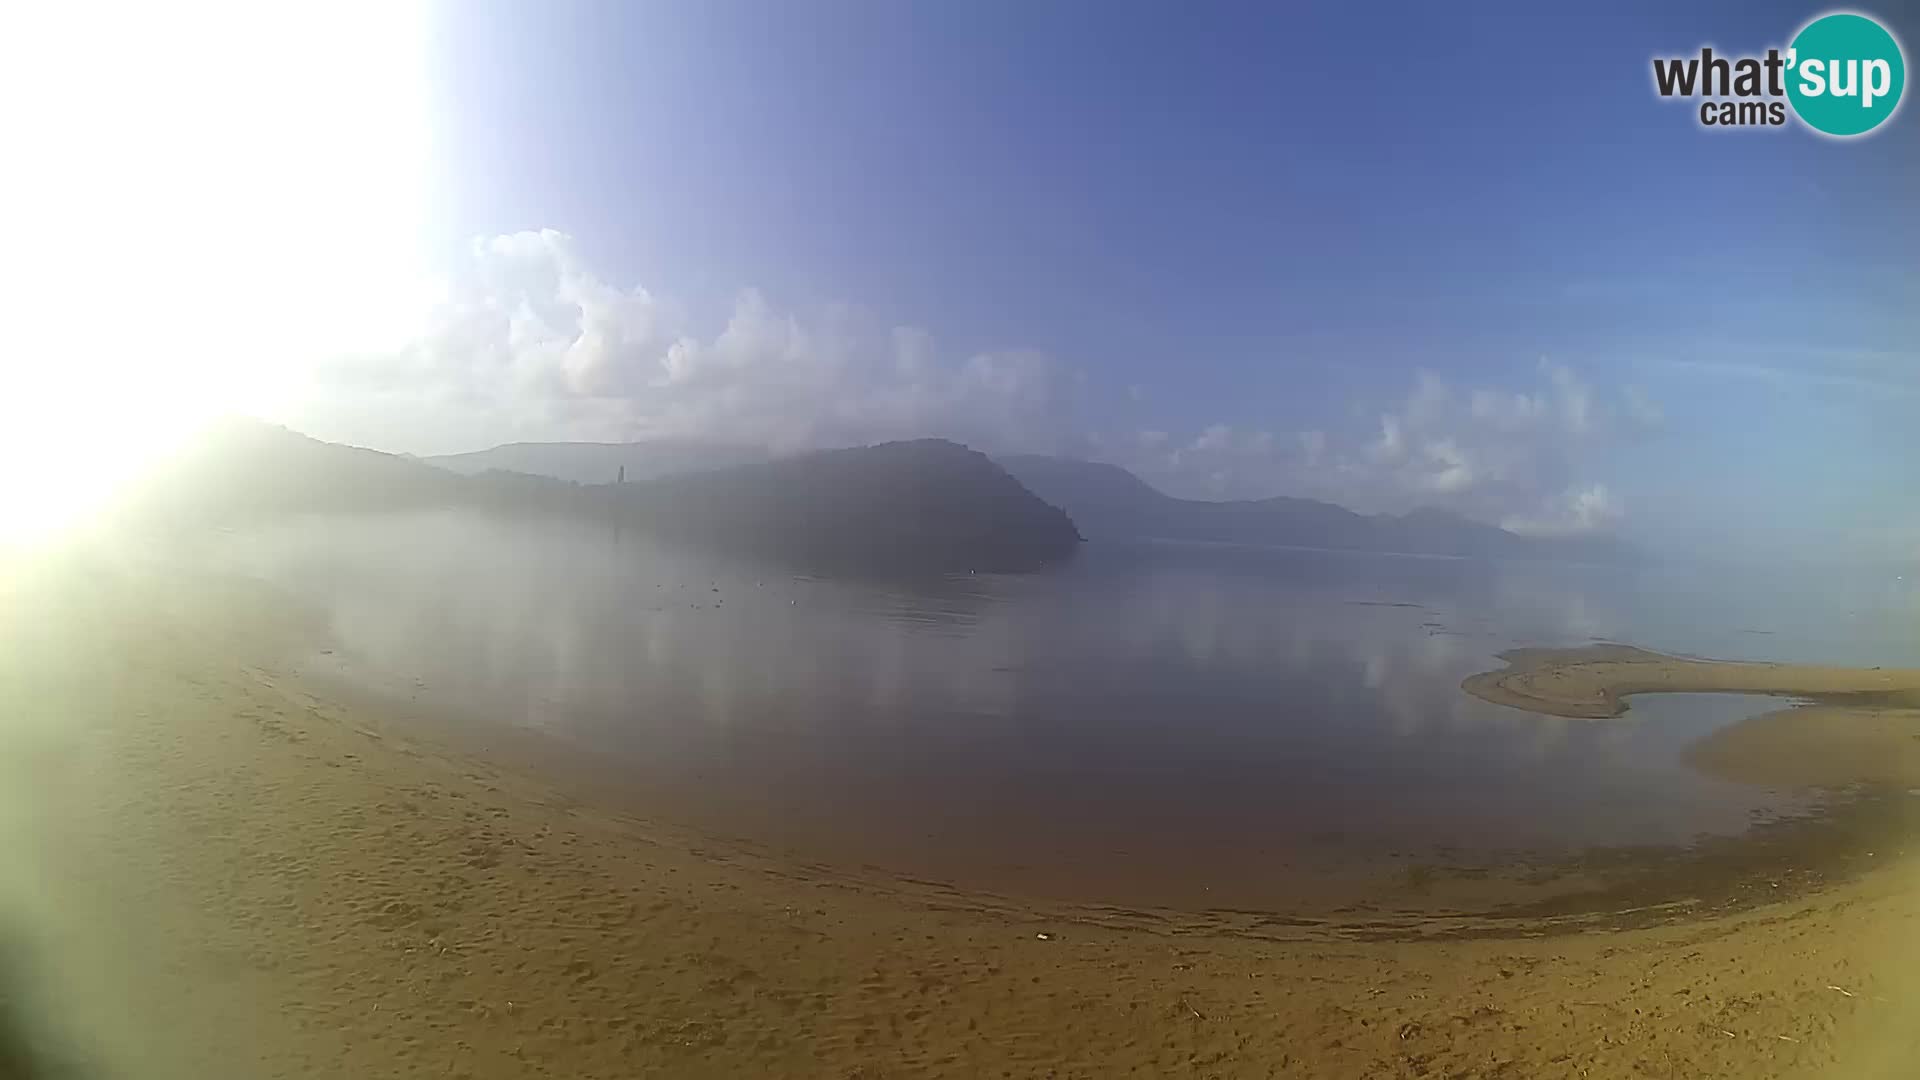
(229, 193)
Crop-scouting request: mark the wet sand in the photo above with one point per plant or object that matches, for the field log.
(210, 869)
(1594, 682)
(1820, 746)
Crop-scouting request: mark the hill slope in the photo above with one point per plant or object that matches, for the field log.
(242, 469)
(601, 463)
(1108, 502)
(925, 505)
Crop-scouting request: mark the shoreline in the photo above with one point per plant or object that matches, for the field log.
(1594, 682)
(1409, 894)
(1435, 894)
(337, 896)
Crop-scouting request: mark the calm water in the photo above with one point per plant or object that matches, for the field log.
(1155, 724)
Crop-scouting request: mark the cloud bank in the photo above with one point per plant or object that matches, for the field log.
(1514, 456)
(529, 342)
(532, 344)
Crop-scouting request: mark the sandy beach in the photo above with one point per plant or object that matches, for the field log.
(212, 869)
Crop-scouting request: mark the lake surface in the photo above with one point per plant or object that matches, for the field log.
(1146, 724)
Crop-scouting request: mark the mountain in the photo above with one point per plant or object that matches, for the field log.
(1108, 502)
(925, 504)
(928, 505)
(243, 469)
(601, 463)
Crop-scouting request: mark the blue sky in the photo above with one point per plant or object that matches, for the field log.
(1294, 230)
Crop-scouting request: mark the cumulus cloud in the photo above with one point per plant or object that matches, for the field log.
(1487, 450)
(1574, 511)
(532, 343)
(1216, 463)
(1390, 446)
(1508, 411)
(1448, 468)
(1511, 454)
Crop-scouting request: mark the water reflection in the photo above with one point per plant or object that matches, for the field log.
(1144, 721)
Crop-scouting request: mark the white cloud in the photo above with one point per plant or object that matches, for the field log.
(1223, 439)
(532, 343)
(1509, 411)
(1574, 511)
(1496, 453)
(1216, 462)
(1216, 438)
(1390, 448)
(1448, 469)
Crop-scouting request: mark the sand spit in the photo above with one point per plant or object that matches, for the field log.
(1594, 682)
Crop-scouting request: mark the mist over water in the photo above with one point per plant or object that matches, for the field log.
(1165, 724)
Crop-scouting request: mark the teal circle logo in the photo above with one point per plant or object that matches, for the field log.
(1845, 73)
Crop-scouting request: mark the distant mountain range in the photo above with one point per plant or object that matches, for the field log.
(926, 505)
(1108, 502)
(602, 463)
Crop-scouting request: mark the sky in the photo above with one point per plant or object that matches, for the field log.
(1392, 255)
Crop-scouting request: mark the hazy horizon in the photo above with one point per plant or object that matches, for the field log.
(728, 457)
(1564, 309)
